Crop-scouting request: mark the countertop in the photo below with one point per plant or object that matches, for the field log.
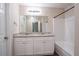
(33, 35)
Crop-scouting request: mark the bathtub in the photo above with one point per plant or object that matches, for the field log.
(64, 48)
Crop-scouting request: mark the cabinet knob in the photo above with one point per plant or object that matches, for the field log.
(5, 37)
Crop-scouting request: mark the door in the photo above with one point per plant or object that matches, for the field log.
(2, 30)
(29, 46)
(48, 45)
(38, 46)
(35, 27)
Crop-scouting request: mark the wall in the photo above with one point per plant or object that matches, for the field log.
(45, 11)
(76, 49)
(59, 28)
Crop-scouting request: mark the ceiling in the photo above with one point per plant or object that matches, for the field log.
(55, 5)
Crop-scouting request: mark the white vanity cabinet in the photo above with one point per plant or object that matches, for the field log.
(23, 46)
(48, 45)
(43, 46)
(34, 46)
(38, 46)
(28, 46)
(19, 46)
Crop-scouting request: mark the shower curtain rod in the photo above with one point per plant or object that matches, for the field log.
(63, 12)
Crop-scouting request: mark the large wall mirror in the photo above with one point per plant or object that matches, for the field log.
(33, 24)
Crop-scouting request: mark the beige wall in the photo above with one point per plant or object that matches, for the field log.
(45, 11)
(76, 49)
(59, 28)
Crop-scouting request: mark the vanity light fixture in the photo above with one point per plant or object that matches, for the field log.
(34, 11)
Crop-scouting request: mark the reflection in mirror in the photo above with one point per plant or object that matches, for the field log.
(33, 24)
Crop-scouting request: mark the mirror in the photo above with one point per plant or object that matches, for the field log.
(33, 24)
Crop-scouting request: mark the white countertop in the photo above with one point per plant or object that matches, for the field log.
(34, 35)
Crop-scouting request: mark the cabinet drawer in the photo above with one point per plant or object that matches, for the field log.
(29, 41)
(19, 40)
(23, 41)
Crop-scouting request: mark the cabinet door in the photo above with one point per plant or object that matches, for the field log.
(48, 45)
(38, 46)
(29, 46)
(19, 48)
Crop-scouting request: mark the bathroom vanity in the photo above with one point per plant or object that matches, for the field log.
(33, 44)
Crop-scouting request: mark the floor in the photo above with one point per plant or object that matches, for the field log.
(55, 54)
